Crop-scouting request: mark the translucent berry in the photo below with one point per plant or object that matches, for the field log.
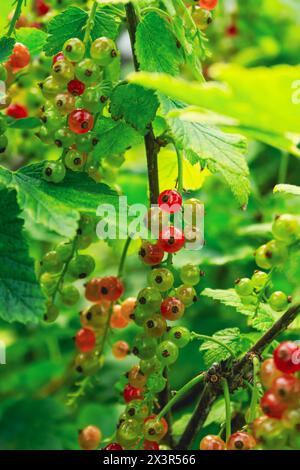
(49, 87)
(17, 111)
(85, 340)
(64, 103)
(271, 406)
(137, 409)
(150, 366)
(69, 295)
(287, 357)
(131, 393)
(170, 201)
(212, 442)
(103, 51)
(167, 352)
(241, 441)
(95, 316)
(120, 350)
(179, 335)
(20, 57)
(48, 283)
(92, 290)
(244, 286)
(172, 308)
(268, 372)
(51, 314)
(261, 258)
(87, 71)
(74, 160)
(74, 49)
(150, 445)
(144, 347)
(151, 254)
(57, 57)
(63, 137)
(186, 294)
(190, 274)
(136, 377)
(286, 228)
(155, 429)
(149, 299)
(287, 388)
(110, 288)
(128, 433)
(161, 278)
(259, 280)
(89, 438)
(54, 172)
(63, 71)
(113, 446)
(279, 301)
(51, 262)
(117, 320)
(156, 382)
(81, 266)
(80, 121)
(155, 326)
(208, 4)
(76, 87)
(88, 363)
(171, 239)
(128, 307)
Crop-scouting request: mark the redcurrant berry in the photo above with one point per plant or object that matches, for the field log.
(259, 280)
(128, 307)
(286, 357)
(87, 71)
(74, 160)
(172, 308)
(20, 57)
(271, 406)
(117, 320)
(268, 373)
(144, 347)
(208, 4)
(69, 295)
(150, 445)
(103, 51)
(63, 71)
(150, 366)
(211, 442)
(151, 254)
(81, 266)
(171, 239)
(155, 429)
(137, 409)
(170, 201)
(89, 438)
(241, 441)
(161, 278)
(110, 288)
(286, 228)
(17, 111)
(51, 314)
(76, 87)
(286, 388)
(63, 137)
(92, 290)
(156, 382)
(155, 326)
(190, 274)
(51, 262)
(88, 363)
(262, 258)
(80, 121)
(136, 377)
(64, 103)
(74, 49)
(95, 316)
(149, 299)
(167, 352)
(113, 446)
(41, 8)
(244, 287)
(179, 335)
(128, 433)
(85, 340)
(186, 294)
(279, 301)
(120, 350)
(50, 88)
(57, 57)
(131, 393)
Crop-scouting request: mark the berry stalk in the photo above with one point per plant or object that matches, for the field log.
(16, 16)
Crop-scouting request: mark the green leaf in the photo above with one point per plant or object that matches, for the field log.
(180, 424)
(287, 189)
(24, 123)
(261, 318)
(156, 47)
(232, 337)
(71, 23)
(222, 153)
(136, 105)
(217, 413)
(32, 38)
(56, 206)
(114, 137)
(247, 96)
(21, 297)
(6, 48)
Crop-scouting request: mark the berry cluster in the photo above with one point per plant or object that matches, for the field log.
(286, 231)
(76, 94)
(237, 441)
(64, 263)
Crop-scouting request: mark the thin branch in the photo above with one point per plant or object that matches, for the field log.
(235, 376)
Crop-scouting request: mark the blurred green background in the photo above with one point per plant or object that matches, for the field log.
(36, 381)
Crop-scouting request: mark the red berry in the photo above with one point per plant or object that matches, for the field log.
(286, 388)
(89, 438)
(208, 4)
(172, 308)
(151, 254)
(17, 111)
(232, 30)
(163, 421)
(113, 446)
(20, 57)
(268, 372)
(211, 442)
(57, 57)
(76, 87)
(131, 393)
(80, 121)
(85, 340)
(150, 445)
(171, 239)
(287, 357)
(117, 320)
(110, 288)
(41, 7)
(120, 350)
(170, 201)
(241, 441)
(271, 406)
(92, 290)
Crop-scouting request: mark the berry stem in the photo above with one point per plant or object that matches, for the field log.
(63, 273)
(283, 167)
(227, 408)
(16, 16)
(213, 340)
(90, 23)
(123, 256)
(180, 170)
(254, 396)
(179, 395)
